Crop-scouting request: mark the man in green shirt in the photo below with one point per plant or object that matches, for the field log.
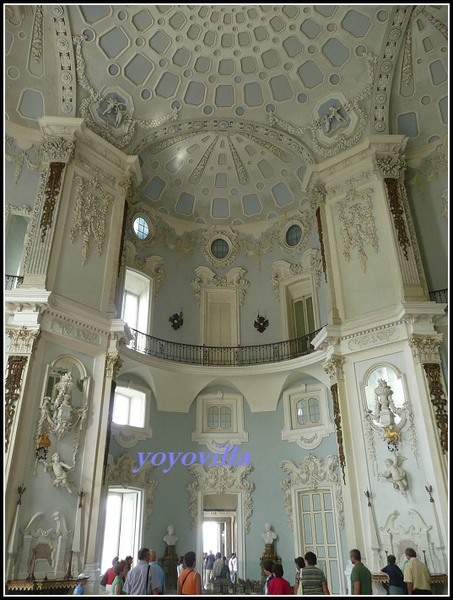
(360, 576)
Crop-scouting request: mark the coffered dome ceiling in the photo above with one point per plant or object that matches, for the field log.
(228, 105)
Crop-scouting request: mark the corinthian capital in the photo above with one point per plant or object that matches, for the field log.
(56, 149)
(334, 368)
(390, 166)
(426, 347)
(22, 339)
(317, 195)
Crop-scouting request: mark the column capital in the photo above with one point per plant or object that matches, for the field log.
(334, 368)
(426, 347)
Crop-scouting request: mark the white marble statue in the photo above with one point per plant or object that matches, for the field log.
(60, 471)
(268, 535)
(396, 474)
(170, 538)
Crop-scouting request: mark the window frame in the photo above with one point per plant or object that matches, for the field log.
(308, 435)
(139, 514)
(128, 435)
(213, 438)
(139, 285)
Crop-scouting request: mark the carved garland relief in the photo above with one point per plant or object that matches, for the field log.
(14, 369)
(357, 224)
(438, 400)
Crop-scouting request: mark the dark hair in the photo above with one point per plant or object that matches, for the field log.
(310, 558)
(300, 562)
(355, 554)
(410, 552)
(189, 559)
(129, 558)
(233, 554)
(218, 555)
(181, 560)
(142, 553)
(119, 566)
(391, 559)
(114, 560)
(277, 570)
(267, 565)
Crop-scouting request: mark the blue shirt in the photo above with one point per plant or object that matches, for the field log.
(79, 591)
(136, 579)
(395, 575)
(161, 574)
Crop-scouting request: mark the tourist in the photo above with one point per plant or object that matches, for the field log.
(300, 564)
(416, 575)
(142, 579)
(160, 572)
(210, 560)
(217, 568)
(313, 579)
(82, 580)
(120, 570)
(189, 582)
(278, 586)
(233, 567)
(180, 566)
(360, 575)
(395, 575)
(267, 567)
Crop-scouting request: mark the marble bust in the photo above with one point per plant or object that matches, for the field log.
(170, 538)
(268, 535)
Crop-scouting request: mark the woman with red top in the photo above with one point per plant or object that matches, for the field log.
(278, 586)
(189, 582)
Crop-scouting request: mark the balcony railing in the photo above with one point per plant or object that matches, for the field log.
(221, 356)
(12, 281)
(440, 296)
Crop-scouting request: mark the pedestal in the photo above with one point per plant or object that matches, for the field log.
(170, 563)
(269, 554)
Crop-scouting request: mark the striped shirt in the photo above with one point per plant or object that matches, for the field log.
(136, 579)
(312, 580)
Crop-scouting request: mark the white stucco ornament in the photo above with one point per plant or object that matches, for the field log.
(60, 471)
(396, 474)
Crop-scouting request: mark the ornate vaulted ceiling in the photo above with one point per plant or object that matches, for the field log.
(227, 105)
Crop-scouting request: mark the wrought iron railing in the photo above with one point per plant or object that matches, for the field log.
(440, 296)
(12, 281)
(221, 356)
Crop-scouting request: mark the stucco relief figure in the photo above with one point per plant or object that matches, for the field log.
(117, 108)
(64, 387)
(170, 538)
(334, 114)
(60, 471)
(396, 474)
(268, 535)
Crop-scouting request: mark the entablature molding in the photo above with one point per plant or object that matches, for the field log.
(348, 164)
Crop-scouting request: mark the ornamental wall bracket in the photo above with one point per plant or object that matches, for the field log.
(124, 471)
(232, 280)
(312, 474)
(220, 479)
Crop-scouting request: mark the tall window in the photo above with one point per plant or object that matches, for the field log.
(318, 534)
(219, 418)
(136, 301)
(123, 524)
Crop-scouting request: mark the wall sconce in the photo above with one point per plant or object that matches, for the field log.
(176, 320)
(261, 323)
(368, 495)
(429, 489)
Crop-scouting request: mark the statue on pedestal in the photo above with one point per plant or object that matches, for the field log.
(170, 560)
(269, 551)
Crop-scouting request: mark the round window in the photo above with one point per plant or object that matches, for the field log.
(141, 228)
(293, 235)
(220, 248)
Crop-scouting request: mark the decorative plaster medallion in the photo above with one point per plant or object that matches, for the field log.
(223, 233)
(311, 474)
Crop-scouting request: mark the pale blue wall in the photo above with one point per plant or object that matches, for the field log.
(172, 432)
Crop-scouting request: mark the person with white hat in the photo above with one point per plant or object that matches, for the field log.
(82, 580)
